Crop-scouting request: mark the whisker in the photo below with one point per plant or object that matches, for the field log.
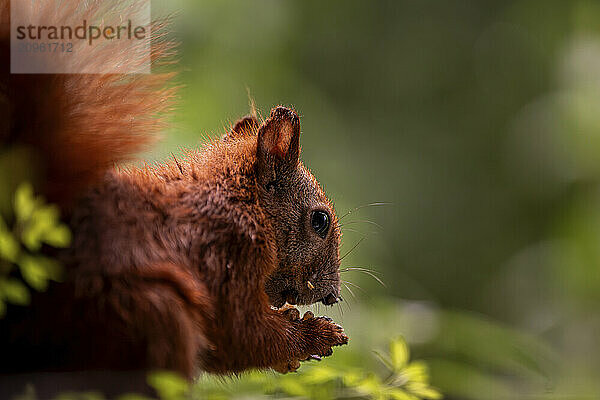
(351, 293)
(348, 304)
(357, 268)
(351, 230)
(353, 247)
(362, 221)
(355, 285)
(349, 290)
(339, 306)
(363, 206)
(365, 271)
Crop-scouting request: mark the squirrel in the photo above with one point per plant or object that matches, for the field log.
(185, 265)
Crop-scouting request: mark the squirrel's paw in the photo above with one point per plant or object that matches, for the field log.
(319, 336)
(322, 334)
(319, 333)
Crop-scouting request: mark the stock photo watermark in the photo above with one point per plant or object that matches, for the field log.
(56, 36)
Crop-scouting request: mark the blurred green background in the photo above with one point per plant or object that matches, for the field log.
(479, 121)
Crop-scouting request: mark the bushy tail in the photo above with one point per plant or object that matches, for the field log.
(79, 125)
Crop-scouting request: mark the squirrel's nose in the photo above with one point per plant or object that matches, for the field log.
(329, 299)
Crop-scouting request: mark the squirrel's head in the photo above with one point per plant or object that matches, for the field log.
(305, 226)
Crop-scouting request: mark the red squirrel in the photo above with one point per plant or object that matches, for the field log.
(183, 265)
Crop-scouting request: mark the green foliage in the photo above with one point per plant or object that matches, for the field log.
(14, 291)
(404, 380)
(168, 385)
(35, 223)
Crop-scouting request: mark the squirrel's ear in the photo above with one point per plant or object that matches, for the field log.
(245, 126)
(278, 142)
(279, 136)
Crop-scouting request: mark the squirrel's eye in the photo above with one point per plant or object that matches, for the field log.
(320, 222)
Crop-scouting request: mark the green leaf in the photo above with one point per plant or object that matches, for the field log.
(25, 202)
(9, 247)
(217, 396)
(293, 387)
(34, 272)
(399, 353)
(424, 391)
(431, 393)
(58, 236)
(416, 371)
(2, 308)
(168, 385)
(371, 385)
(352, 378)
(38, 270)
(31, 238)
(384, 359)
(43, 220)
(319, 374)
(257, 377)
(14, 291)
(399, 394)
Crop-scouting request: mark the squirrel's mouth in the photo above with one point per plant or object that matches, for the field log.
(292, 297)
(284, 288)
(289, 296)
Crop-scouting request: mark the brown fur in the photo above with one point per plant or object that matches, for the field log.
(177, 265)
